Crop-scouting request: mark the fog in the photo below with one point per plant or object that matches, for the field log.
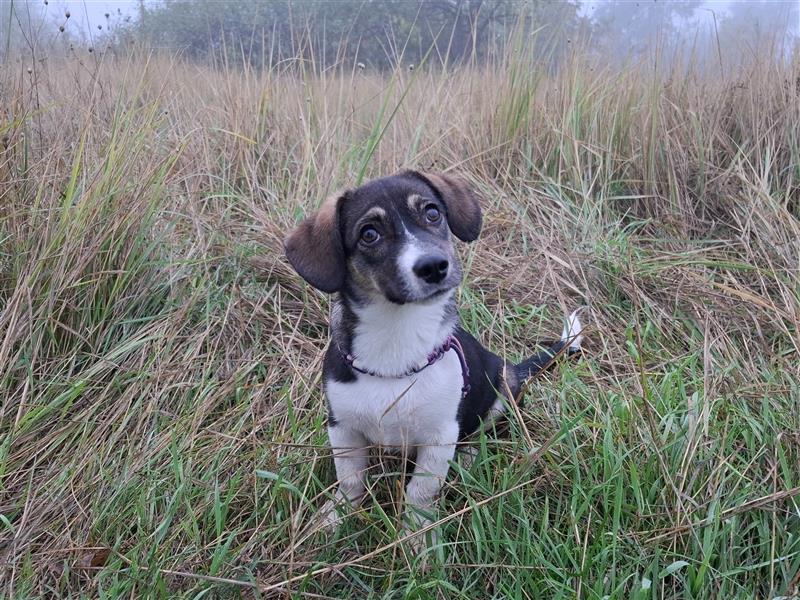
(384, 33)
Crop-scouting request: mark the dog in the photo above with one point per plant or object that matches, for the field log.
(399, 371)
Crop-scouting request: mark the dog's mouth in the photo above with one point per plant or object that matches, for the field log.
(435, 295)
(430, 298)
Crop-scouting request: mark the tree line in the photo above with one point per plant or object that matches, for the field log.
(370, 33)
(388, 33)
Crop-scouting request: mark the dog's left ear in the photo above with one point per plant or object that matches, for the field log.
(463, 208)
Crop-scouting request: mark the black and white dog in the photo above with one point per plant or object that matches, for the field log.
(400, 372)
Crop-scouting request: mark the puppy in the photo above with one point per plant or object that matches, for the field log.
(400, 372)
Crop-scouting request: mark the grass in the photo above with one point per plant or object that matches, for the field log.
(162, 429)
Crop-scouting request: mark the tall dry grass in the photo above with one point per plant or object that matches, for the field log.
(161, 428)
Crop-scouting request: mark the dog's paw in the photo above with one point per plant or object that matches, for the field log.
(328, 517)
(327, 520)
(417, 534)
(466, 457)
(418, 543)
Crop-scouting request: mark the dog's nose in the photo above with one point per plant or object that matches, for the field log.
(431, 268)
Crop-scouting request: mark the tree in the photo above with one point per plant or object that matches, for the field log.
(379, 33)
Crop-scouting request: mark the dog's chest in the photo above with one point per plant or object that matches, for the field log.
(395, 412)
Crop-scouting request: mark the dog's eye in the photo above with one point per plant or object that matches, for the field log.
(370, 235)
(432, 213)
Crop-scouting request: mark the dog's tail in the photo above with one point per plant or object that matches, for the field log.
(570, 341)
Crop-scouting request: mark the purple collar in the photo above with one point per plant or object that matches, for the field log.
(451, 343)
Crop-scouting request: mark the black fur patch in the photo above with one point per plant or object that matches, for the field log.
(486, 382)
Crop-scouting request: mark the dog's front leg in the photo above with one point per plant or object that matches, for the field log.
(432, 465)
(350, 457)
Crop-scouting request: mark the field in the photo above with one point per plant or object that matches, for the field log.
(162, 428)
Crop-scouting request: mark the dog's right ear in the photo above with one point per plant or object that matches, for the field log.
(315, 247)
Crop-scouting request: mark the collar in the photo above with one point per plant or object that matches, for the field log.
(451, 343)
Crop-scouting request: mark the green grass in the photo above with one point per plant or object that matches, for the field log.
(162, 431)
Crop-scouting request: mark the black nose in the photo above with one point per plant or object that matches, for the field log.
(431, 268)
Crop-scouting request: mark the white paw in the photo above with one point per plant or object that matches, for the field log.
(328, 517)
(466, 456)
(415, 539)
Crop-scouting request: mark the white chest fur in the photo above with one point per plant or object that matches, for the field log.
(390, 338)
(397, 412)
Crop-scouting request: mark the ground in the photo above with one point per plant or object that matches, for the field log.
(162, 431)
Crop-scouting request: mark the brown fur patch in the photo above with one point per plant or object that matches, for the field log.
(314, 248)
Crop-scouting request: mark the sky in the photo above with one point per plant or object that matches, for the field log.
(88, 14)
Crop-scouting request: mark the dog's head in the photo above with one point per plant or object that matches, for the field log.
(390, 237)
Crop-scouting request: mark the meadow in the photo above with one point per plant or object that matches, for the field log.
(162, 429)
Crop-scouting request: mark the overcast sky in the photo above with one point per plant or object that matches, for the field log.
(88, 14)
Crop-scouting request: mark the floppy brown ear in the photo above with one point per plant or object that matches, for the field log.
(463, 208)
(315, 248)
